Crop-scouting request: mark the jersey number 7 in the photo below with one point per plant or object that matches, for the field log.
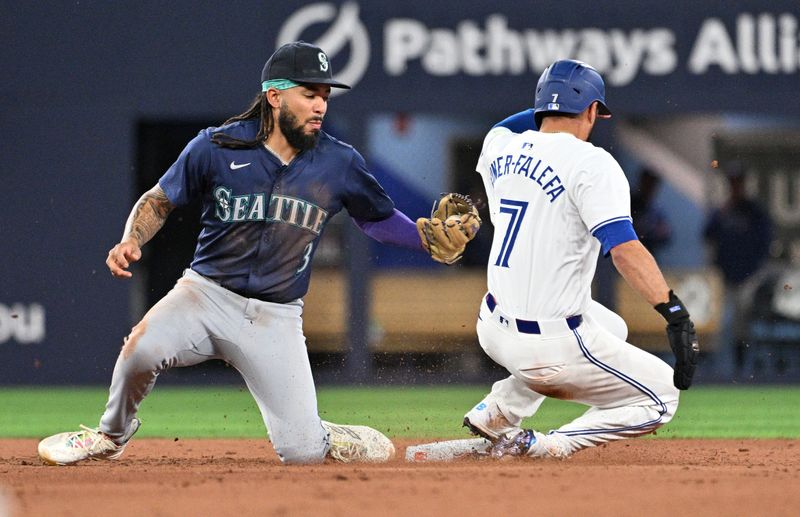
(516, 209)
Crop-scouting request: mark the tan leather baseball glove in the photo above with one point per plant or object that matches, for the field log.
(453, 223)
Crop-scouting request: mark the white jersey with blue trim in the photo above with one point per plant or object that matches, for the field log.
(548, 193)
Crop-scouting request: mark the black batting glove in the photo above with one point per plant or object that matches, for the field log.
(682, 339)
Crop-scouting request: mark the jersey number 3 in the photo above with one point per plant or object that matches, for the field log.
(516, 210)
(306, 258)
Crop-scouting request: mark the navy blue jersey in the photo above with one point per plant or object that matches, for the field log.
(261, 219)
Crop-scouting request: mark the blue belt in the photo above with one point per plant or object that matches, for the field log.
(532, 327)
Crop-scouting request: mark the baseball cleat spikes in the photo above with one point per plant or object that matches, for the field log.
(477, 431)
(488, 421)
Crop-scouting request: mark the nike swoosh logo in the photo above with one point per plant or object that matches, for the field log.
(235, 165)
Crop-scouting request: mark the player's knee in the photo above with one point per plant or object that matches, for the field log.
(670, 404)
(298, 439)
(301, 453)
(139, 352)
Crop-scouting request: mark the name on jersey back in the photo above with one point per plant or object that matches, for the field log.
(529, 167)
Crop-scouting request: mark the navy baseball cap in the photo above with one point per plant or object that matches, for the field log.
(300, 62)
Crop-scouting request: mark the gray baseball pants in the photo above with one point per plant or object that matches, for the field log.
(199, 320)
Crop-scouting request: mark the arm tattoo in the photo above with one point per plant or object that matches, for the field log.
(148, 216)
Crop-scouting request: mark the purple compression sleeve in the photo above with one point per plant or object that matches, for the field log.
(397, 229)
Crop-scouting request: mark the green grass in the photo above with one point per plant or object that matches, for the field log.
(419, 412)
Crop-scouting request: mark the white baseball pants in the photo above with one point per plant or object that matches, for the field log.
(629, 391)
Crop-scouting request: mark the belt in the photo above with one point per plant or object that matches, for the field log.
(532, 327)
(239, 292)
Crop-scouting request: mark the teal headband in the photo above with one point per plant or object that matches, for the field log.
(278, 84)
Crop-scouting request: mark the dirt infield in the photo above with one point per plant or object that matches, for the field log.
(244, 477)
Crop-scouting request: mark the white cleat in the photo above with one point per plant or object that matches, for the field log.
(488, 421)
(86, 444)
(528, 442)
(358, 443)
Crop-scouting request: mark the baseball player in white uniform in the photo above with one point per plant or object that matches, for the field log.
(556, 200)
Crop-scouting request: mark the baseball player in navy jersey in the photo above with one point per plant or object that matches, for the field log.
(556, 200)
(269, 179)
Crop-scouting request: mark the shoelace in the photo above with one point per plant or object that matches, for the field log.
(346, 451)
(90, 439)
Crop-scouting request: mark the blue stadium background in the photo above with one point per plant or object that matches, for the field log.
(91, 87)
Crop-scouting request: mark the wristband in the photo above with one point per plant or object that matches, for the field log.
(674, 310)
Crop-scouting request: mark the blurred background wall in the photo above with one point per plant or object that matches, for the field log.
(98, 98)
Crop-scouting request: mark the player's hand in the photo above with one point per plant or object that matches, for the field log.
(682, 340)
(121, 256)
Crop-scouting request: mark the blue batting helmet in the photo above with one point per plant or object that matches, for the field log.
(569, 86)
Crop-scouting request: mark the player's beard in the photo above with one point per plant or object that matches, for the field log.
(294, 131)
